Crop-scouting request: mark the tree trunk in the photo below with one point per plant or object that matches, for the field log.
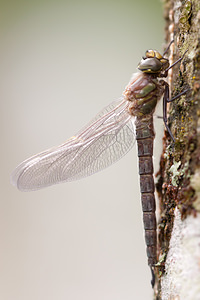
(178, 186)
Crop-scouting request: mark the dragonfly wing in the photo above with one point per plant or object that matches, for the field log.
(102, 142)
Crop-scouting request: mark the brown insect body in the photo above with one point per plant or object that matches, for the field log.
(143, 92)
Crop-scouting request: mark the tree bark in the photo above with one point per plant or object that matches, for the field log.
(178, 186)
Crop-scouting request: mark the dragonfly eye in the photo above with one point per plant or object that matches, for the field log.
(150, 65)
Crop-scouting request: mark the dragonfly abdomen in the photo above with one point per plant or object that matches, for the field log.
(145, 137)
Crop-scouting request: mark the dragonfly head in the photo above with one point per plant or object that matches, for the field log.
(153, 62)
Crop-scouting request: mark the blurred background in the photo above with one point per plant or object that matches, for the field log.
(61, 63)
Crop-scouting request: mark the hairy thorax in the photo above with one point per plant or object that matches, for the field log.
(143, 92)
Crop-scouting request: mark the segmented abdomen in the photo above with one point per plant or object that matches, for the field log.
(145, 137)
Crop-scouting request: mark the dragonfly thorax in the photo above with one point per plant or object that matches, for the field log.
(143, 93)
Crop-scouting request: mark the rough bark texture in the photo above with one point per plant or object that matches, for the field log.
(178, 186)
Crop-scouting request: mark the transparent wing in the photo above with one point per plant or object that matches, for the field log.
(99, 144)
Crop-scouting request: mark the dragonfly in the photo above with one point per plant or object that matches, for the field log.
(107, 138)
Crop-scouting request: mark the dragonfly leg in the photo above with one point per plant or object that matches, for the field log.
(177, 61)
(166, 50)
(165, 74)
(167, 100)
(180, 94)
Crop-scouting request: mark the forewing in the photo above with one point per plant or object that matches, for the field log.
(99, 144)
